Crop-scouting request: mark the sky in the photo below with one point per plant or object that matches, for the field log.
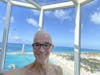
(59, 23)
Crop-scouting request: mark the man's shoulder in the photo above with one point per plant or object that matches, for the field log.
(55, 66)
(13, 72)
(58, 69)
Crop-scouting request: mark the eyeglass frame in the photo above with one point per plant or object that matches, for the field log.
(42, 45)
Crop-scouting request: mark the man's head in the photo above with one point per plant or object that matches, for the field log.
(42, 46)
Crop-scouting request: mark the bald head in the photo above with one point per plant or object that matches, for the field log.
(42, 36)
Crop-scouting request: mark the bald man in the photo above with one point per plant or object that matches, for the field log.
(42, 46)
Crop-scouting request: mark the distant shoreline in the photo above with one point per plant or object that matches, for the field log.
(18, 46)
(56, 53)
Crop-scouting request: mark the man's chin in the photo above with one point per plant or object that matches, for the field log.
(42, 61)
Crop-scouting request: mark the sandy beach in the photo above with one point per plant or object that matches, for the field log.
(90, 63)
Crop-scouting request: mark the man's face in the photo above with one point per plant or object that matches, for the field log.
(42, 47)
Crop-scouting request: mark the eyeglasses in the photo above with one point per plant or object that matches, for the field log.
(46, 45)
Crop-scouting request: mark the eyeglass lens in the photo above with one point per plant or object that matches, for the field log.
(46, 45)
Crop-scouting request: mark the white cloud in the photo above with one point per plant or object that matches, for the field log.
(61, 14)
(12, 19)
(93, 2)
(16, 38)
(47, 12)
(32, 21)
(95, 17)
(36, 12)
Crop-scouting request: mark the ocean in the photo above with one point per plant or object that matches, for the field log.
(16, 47)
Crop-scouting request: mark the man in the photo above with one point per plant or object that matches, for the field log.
(42, 47)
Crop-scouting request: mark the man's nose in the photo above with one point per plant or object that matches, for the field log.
(42, 49)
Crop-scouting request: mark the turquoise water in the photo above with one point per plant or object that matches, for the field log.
(19, 60)
(12, 47)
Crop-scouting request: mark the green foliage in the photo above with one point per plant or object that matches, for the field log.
(91, 64)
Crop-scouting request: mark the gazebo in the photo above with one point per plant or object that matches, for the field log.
(32, 4)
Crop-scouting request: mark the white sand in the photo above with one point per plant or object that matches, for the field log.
(68, 66)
